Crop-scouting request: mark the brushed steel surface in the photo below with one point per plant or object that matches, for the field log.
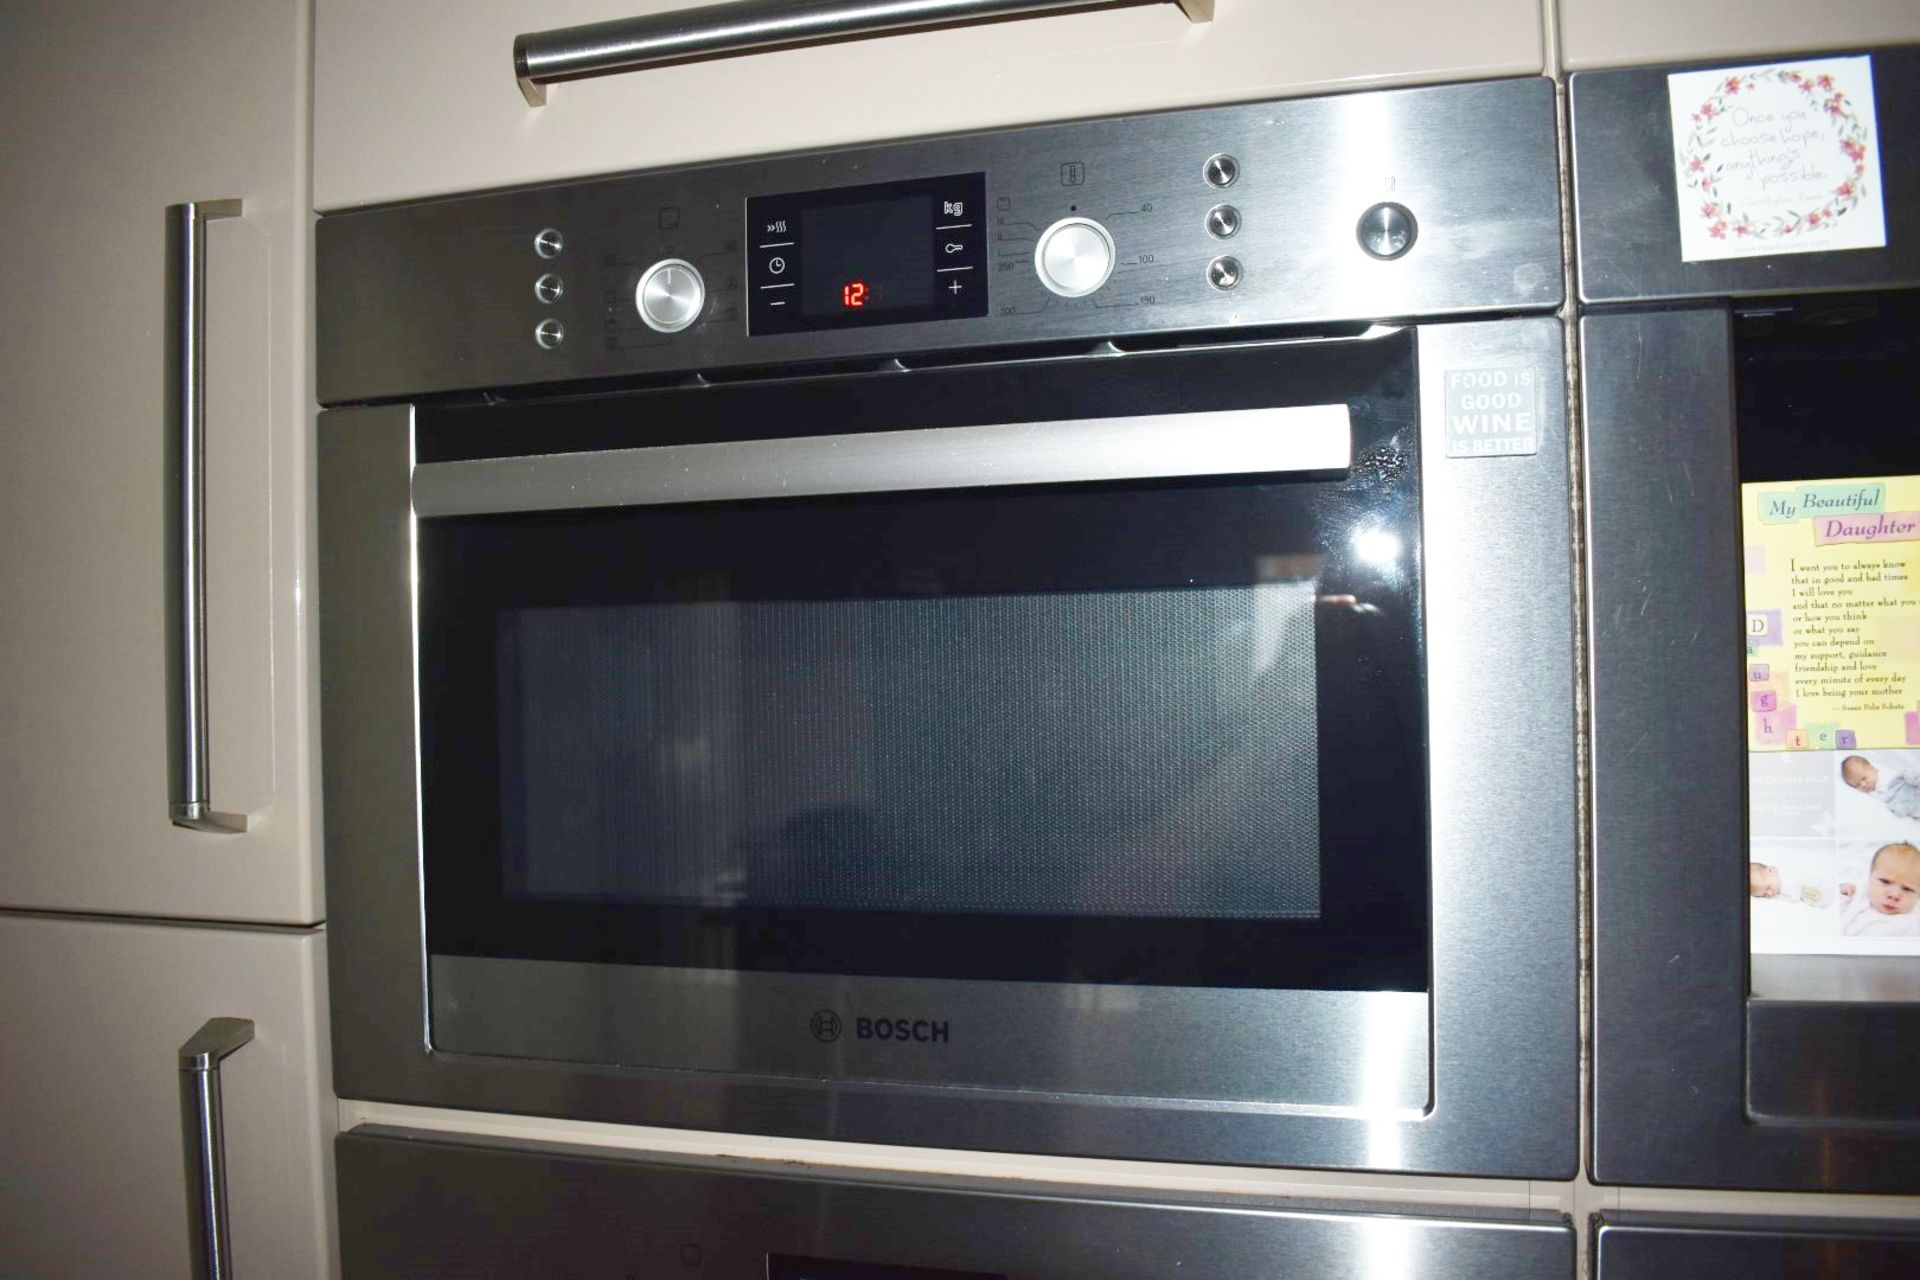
(1669, 957)
(1872, 979)
(189, 743)
(437, 296)
(746, 26)
(417, 1204)
(1833, 1063)
(209, 1233)
(1363, 1053)
(1626, 221)
(1503, 1035)
(1231, 442)
(1646, 1246)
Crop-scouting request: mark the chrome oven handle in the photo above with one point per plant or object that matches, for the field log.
(1267, 441)
(602, 48)
(208, 1232)
(186, 425)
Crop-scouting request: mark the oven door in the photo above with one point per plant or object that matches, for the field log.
(1020, 738)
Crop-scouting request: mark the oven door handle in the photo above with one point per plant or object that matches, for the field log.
(1304, 438)
(746, 26)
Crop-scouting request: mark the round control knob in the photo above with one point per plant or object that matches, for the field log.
(1224, 273)
(549, 334)
(1222, 221)
(1074, 257)
(670, 295)
(548, 288)
(548, 243)
(1387, 230)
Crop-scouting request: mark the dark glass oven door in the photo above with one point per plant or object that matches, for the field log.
(1161, 731)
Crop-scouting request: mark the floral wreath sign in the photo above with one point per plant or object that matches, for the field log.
(1777, 159)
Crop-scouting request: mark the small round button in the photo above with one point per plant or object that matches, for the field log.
(549, 334)
(548, 288)
(1221, 170)
(1074, 257)
(1222, 221)
(1387, 230)
(670, 295)
(1224, 273)
(549, 243)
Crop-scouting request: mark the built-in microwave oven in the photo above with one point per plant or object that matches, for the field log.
(1050, 640)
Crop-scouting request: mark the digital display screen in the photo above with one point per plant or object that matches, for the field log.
(874, 256)
(848, 257)
(783, 1267)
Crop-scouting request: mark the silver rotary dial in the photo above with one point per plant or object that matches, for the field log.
(670, 295)
(1074, 257)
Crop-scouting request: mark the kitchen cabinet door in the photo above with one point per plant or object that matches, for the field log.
(418, 97)
(116, 109)
(1613, 33)
(95, 1012)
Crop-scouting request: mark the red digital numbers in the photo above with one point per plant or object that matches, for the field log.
(854, 295)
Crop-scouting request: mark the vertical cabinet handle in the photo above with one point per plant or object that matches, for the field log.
(208, 1232)
(186, 426)
(743, 26)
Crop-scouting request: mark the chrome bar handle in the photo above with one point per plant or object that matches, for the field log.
(186, 425)
(208, 1233)
(745, 26)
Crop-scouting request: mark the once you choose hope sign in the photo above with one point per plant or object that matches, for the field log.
(1777, 159)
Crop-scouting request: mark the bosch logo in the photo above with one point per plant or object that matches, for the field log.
(924, 1030)
(825, 1025)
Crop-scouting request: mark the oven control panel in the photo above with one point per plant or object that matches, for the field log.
(1373, 206)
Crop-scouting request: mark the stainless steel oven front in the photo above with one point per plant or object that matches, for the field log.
(1053, 640)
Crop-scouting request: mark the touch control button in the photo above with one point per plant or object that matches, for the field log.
(1224, 273)
(549, 334)
(1074, 257)
(670, 295)
(549, 243)
(1387, 230)
(1221, 170)
(1222, 221)
(548, 288)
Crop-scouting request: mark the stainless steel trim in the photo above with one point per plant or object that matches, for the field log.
(206, 1149)
(1231, 442)
(415, 1202)
(1358, 1054)
(186, 427)
(1651, 1246)
(541, 58)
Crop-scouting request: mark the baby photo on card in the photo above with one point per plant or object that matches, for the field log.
(1778, 158)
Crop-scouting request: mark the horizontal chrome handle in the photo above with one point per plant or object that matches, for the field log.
(601, 48)
(1157, 446)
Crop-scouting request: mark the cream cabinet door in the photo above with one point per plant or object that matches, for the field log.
(419, 97)
(1612, 33)
(95, 1014)
(114, 110)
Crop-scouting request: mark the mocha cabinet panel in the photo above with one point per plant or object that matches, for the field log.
(419, 98)
(116, 110)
